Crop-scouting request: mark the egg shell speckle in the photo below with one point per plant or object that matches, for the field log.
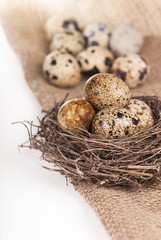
(142, 111)
(61, 69)
(126, 39)
(132, 69)
(106, 90)
(97, 34)
(71, 42)
(76, 113)
(115, 123)
(95, 59)
(57, 24)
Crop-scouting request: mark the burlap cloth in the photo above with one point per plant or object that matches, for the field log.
(125, 214)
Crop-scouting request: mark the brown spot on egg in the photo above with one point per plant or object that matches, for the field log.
(53, 62)
(86, 40)
(108, 61)
(69, 33)
(121, 74)
(120, 115)
(135, 121)
(110, 133)
(47, 73)
(142, 74)
(92, 71)
(94, 43)
(69, 22)
(101, 123)
(54, 77)
(96, 92)
(80, 64)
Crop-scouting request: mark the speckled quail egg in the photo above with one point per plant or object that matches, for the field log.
(61, 69)
(125, 39)
(71, 42)
(97, 34)
(57, 24)
(142, 111)
(76, 112)
(115, 123)
(132, 69)
(95, 59)
(106, 90)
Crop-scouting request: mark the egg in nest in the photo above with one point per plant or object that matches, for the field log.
(76, 113)
(123, 122)
(106, 90)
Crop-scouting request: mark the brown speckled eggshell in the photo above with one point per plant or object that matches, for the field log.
(125, 39)
(57, 24)
(106, 90)
(76, 112)
(115, 123)
(71, 42)
(61, 69)
(96, 34)
(95, 59)
(142, 111)
(132, 69)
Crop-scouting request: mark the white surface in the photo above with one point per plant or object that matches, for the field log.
(35, 204)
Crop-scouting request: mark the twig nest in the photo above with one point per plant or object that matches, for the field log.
(95, 59)
(96, 34)
(106, 90)
(61, 69)
(132, 69)
(129, 161)
(56, 24)
(124, 122)
(71, 42)
(126, 39)
(76, 112)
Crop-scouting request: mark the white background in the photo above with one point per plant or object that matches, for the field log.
(35, 204)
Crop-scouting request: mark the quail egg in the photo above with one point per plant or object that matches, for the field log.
(57, 24)
(132, 69)
(76, 112)
(142, 111)
(95, 59)
(106, 90)
(115, 123)
(61, 69)
(96, 34)
(126, 39)
(71, 42)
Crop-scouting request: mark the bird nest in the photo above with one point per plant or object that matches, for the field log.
(83, 156)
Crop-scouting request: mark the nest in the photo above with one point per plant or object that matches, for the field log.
(83, 156)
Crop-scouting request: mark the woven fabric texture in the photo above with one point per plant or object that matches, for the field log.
(126, 215)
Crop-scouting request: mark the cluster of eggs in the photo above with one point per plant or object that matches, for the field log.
(107, 109)
(92, 50)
